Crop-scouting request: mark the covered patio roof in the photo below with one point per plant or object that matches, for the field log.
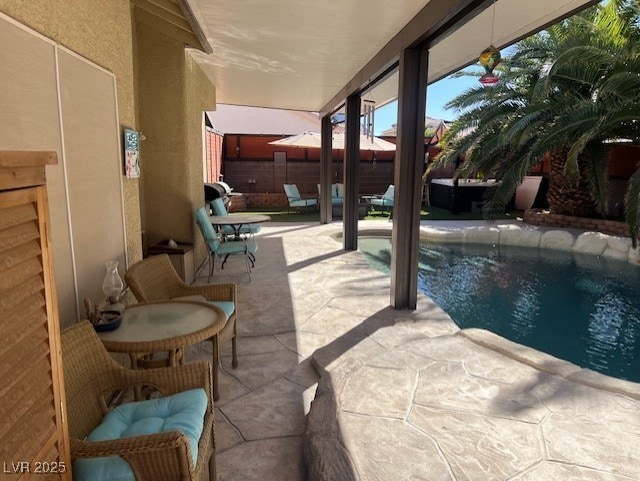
(311, 55)
(324, 57)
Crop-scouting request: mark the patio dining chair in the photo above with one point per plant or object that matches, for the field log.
(155, 279)
(218, 208)
(170, 437)
(217, 248)
(337, 194)
(295, 199)
(385, 201)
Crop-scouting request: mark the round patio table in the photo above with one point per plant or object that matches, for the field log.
(236, 221)
(164, 326)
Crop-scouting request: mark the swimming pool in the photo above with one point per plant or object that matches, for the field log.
(581, 308)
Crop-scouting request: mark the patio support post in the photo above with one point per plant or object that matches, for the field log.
(351, 172)
(326, 161)
(407, 177)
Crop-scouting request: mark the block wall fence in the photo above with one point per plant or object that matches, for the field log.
(257, 169)
(544, 218)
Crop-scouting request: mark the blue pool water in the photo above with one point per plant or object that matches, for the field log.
(581, 308)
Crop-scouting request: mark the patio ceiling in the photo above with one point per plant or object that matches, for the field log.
(308, 55)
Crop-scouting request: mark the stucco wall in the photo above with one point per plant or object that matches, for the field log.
(173, 92)
(100, 31)
(160, 86)
(200, 95)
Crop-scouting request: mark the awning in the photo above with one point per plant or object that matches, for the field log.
(302, 56)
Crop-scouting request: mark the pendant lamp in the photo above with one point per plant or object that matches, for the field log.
(490, 57)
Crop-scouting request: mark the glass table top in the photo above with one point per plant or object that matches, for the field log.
(159, 321)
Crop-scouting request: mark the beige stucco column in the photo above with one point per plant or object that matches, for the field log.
(172, 93)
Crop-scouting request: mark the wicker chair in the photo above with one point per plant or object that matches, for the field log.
(90, 374)
(155, 279)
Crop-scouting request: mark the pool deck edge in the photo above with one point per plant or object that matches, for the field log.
(552, 365)
(468, 404)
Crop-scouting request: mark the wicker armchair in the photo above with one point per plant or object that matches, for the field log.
(90, 374)
(155, 279)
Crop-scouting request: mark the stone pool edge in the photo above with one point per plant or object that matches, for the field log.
(550, 364)
(589, 242)
(327, 452)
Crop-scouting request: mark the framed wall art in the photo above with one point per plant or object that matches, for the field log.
(131, 153)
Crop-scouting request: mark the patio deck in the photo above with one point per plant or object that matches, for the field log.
(415, 397)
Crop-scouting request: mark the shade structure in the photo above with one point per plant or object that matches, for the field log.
(367, 143)
(312, 140)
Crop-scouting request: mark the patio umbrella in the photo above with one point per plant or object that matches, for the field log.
(312, 140)
(366, 143)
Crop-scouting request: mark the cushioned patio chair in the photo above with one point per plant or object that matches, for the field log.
(168, 438)
(337, 194)
(217, 248)
(295, 199)
(155, 279)
(385, 201)
(218, 208)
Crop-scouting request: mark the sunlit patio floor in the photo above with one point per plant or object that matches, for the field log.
(404, 394)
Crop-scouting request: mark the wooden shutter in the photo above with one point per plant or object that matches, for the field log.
(33, 438)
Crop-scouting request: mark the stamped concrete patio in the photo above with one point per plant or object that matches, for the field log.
(402, 395)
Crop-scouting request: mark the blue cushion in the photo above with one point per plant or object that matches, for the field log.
(245, 229)
(181, 412)
(382, 202)
(217, 205)
(237, 247)
(253, 228)
(303, 202)
(252, 247)
(205, 225)
(292, 192)
(227, 306)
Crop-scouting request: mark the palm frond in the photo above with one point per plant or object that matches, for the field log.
(582, 64)
(568, 88)
(624, 84)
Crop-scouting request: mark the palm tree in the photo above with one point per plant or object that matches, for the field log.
(565, 93)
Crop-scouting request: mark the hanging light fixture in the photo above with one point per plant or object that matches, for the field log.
(368, 107)
(369, 119)
(490, 57)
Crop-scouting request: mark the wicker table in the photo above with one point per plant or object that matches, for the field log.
(165, 326)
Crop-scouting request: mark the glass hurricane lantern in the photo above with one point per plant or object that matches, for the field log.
(112, 285)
